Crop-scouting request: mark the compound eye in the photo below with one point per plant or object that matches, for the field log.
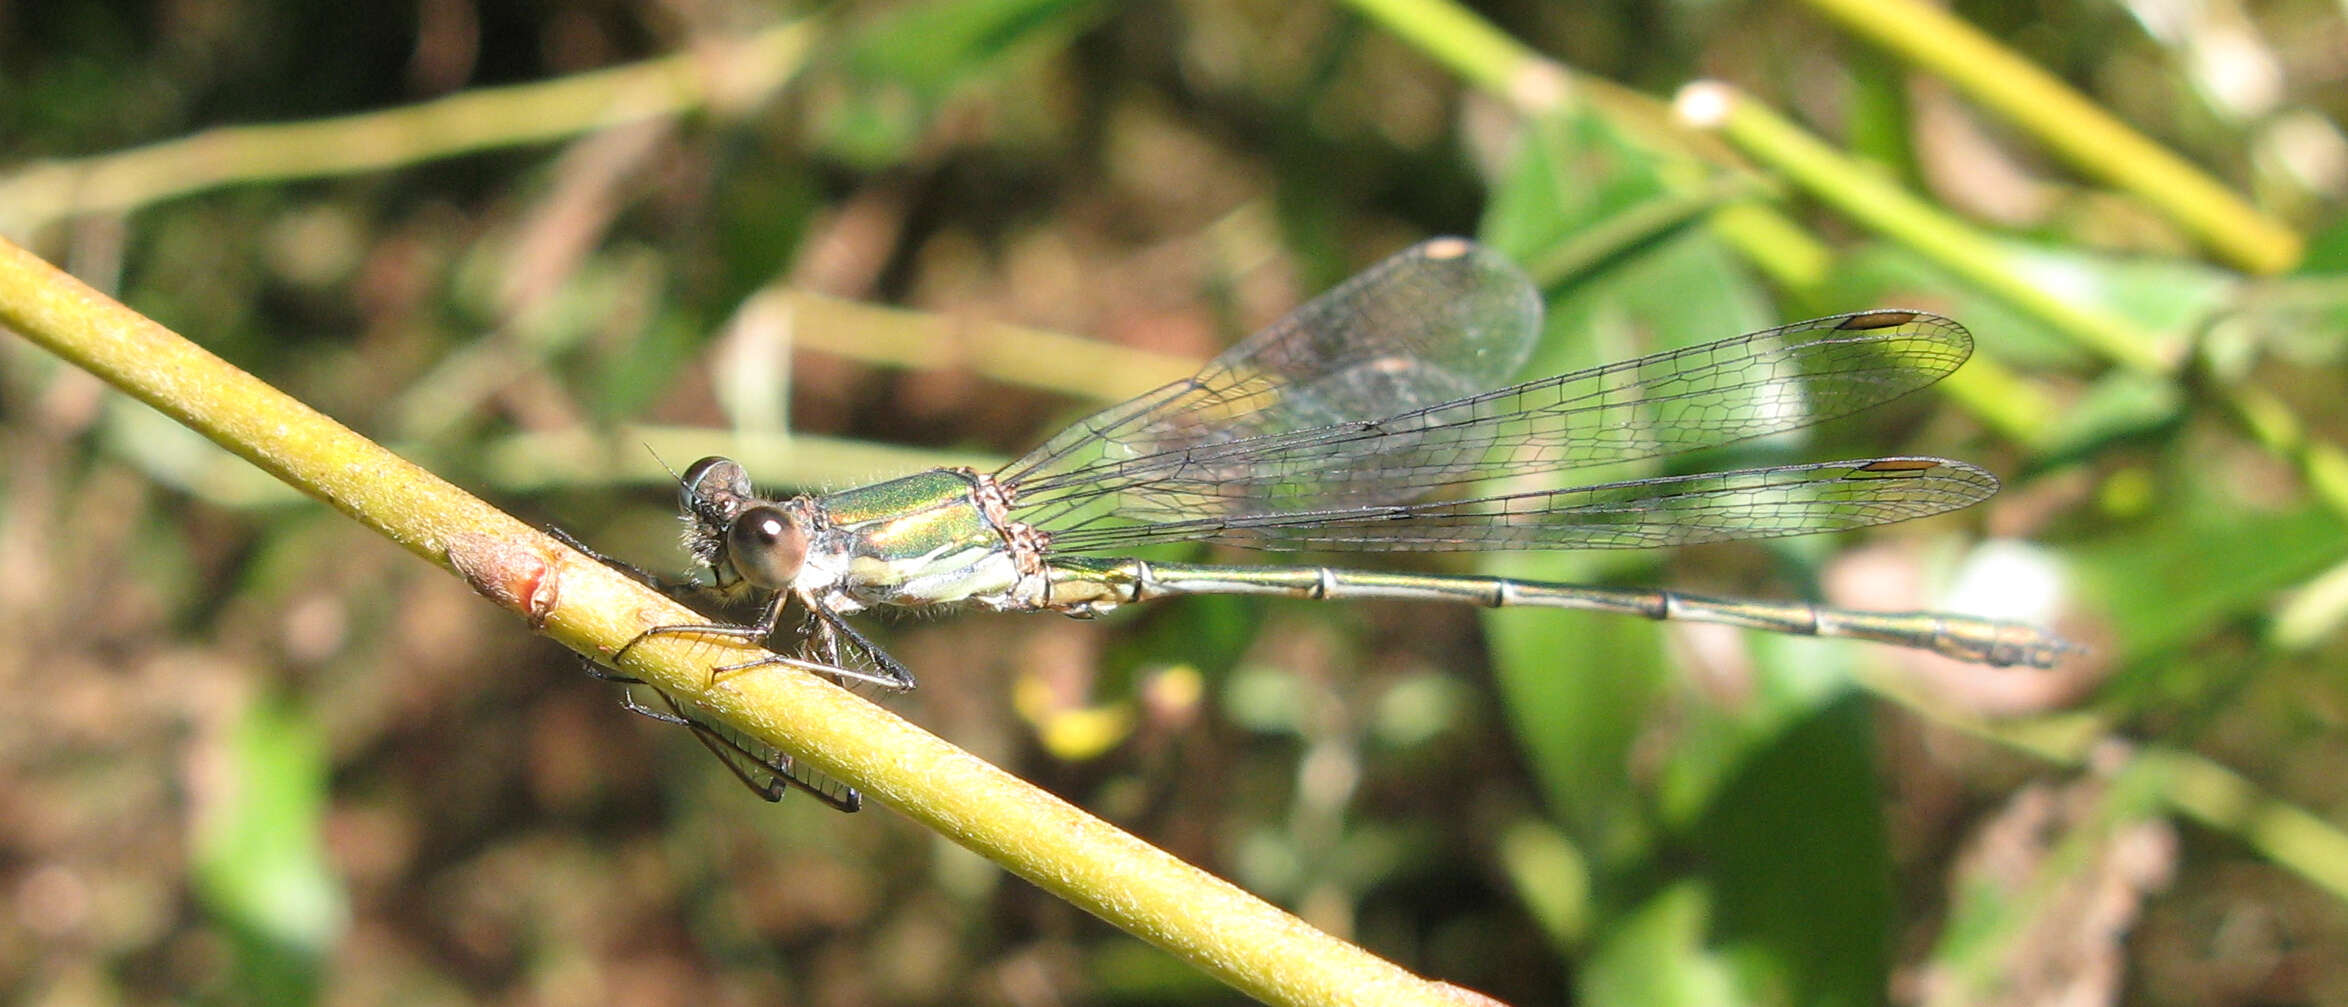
(766, 547)
(713, 482)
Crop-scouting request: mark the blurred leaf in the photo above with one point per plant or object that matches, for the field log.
(1716, 739)
(2327, 251)
(2161, 295)
(260, 862)
(2120, 404)
(1882, 113)
(1657, 957)
(2161, 589)
(765, 203)
(1571, 175)
(2164, 297)
(1578, 689)
(1686, 290)
(2300, 321)
(626, 384)
(1796, 855)
(872, 129)
(1570, 172)
(1552, 879)
(932, 46)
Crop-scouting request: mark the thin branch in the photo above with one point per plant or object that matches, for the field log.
(2073, 127)
(733, 74)
(1012, 354)
(595, 610)
(1876, 201)
(1869, 198)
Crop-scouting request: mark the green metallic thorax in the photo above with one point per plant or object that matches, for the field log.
(924, 539)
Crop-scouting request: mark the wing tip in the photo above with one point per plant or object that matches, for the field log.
(1919, 322)
(1880, 318)
(1920, 467)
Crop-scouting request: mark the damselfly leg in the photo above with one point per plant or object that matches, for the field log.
(767, 772)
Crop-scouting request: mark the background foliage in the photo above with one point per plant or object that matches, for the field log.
(260, 756)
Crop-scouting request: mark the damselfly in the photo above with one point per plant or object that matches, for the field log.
(1362, 421)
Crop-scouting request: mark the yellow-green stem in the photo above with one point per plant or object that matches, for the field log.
(591, 608)
(1032, 358)
(1875, 201)
(2070, 125)
(1484, 55)
(2221, 799)
(736, 73)
(1879, 203)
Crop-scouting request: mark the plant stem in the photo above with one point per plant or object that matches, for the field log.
(1878, 202)
(595, 610)
(1030, 358)
(1485, 56)
(735, 74)
(2071, 126)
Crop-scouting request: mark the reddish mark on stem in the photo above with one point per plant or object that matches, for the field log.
(517, 576)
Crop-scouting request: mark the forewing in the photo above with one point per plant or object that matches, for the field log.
(1643, 513)
(1435, 323)
(1666, 403)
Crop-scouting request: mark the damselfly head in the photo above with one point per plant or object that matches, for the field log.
(710, 496)
(714, 489)
(767, 547)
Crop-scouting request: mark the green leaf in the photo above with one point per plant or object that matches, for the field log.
(2177, 576)
(1658, 958)
(1795, 850)
(260, 863)
(1578, 689)
(931, 47)
(2327, 251)
(2162, 296)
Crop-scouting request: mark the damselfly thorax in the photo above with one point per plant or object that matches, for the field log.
(931, 538)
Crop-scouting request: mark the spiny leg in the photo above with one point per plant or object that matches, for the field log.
(673, 589)
(782, 772)
(825, 636)
(754, 634)
(820, 647)
(780, 769)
